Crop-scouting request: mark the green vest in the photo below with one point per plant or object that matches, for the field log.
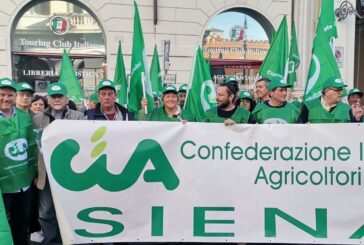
(241, 115)
(264, 114)
(159, 114)
(18, 157)
(317, 114)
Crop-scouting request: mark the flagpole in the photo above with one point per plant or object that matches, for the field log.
(144, 94)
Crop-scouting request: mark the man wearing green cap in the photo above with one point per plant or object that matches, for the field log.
(108, 108)
(57, 101)
(182, 93)
(328, 108)
(276, 110)
(354, 100)
(24, 95)
(17, 161)
(226, 111)
(170, 111)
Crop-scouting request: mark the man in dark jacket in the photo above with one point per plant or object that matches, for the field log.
(107, 108)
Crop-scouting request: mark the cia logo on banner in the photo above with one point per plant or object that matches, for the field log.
(17, 150)
(59, 25)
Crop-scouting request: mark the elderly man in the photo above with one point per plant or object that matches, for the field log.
(107, 108)
(57, 110)
(276, 110)
(24, 95)
(17, 161)
(226, 111)
(354, 100)
(328, 108)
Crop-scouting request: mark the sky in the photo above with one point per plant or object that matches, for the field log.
(225, 21)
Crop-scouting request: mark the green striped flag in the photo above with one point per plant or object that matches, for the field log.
(139, 65)
(69, 79)
(121, 83)
(201, 95)
(275, 63)
(5, 234)
(294, 58)
(155, 72)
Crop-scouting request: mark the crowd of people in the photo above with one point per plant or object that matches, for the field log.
(23, 115)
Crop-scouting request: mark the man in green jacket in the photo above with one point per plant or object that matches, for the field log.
(226, 110)
(17, 161)
(276, 110)
(328, 108)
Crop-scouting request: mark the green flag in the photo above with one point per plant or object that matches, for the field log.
(323, 65)
(5, 234)
(121, 83)
(327, 19)
(139, 65)
(201, 94)
(155, 72)
(69, 79)
(294, 58)
(275, 63)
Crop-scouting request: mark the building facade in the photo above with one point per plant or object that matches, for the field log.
(34, 34)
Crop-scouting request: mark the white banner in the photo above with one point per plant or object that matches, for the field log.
(169, 182)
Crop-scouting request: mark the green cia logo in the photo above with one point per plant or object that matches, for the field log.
(59, 25)
(97, 174)
(17, 150)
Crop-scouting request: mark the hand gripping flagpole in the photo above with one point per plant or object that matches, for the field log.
(144, 94)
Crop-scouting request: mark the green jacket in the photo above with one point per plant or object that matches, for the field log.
(264, 114)
(18, 159)
(241, 115)
(317, 114)
(159, 114)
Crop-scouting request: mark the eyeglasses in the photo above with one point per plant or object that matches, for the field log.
(339, 90)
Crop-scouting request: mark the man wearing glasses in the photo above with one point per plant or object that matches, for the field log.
(328, 108)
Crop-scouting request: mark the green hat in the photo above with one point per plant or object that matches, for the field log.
(24, 86)
(333, 82)
(56, 89)
(169, 88)
(156, 94)
(230, 79)
(245, 94)
(7, 83)
(183, 88)
(94, 97)
(106, 84)
(277, 82)
(355, 91)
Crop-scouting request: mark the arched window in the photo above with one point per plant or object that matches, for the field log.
(40, 33)
(242, 36)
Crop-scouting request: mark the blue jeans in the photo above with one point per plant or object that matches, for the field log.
(47, 217)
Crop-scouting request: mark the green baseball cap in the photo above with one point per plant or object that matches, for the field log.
(355, 91)
(106, 84)
(277, 83)
(245, 94)
(230, 79)
(7, 83)
(156, 94)
(56, 89)
(169, 89)
(333, 82)
(94, 97)
(183, 88)
(24, 86)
